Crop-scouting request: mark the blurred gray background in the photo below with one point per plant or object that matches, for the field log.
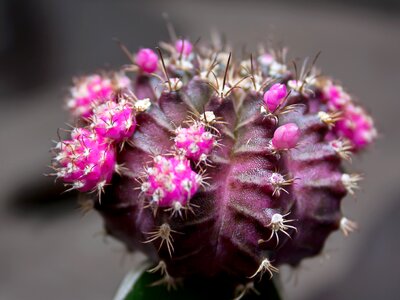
(49, 251)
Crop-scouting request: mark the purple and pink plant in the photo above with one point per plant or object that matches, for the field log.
(213, 164)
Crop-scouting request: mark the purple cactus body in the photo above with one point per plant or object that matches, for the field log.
(224, 178)
(235, 210)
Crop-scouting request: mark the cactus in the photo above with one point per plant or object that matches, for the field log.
(214, 165)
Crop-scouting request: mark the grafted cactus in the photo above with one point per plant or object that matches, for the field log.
(214, 165)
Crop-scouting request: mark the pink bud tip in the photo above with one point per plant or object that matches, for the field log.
(356, 126)
(87, 92)
(183, 46)
(274, 96)
(86, 161)
(114, 121)
(286, 136)
(147, 60)
(171, 180)
(195, 142)
(336, 97)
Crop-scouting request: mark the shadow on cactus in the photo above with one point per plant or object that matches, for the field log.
(214, 165)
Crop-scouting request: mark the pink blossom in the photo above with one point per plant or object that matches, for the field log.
(147, 60)
(286, 136)
(274, 96)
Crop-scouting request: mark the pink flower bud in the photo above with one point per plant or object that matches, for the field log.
(286, 136)
(86, 162)
(274, 96)
(195, 142)
(87, 92)
(183, 46)
(114, 121)
(171, 180)
(336, 97)
(147, 60)
(356, 126)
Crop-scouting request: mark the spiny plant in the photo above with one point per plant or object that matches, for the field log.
(212, 164)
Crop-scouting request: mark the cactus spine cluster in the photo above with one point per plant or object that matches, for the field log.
(211, 164)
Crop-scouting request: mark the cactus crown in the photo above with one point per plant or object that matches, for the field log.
(215, 165)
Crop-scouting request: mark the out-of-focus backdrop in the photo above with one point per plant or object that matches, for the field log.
(49, 251)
